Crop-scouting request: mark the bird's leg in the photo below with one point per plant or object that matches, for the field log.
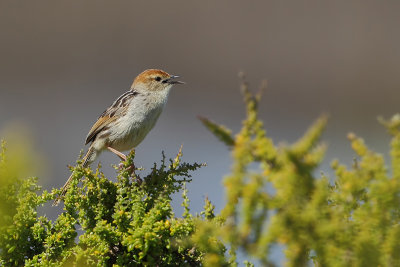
(122, 156)
(116, 152)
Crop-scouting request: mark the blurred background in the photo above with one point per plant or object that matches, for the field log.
(64, 62)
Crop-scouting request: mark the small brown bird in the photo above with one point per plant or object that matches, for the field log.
(129, 119)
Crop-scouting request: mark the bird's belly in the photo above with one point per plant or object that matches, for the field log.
(132, 129)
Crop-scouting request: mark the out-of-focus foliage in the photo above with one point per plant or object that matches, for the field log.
(274, 199)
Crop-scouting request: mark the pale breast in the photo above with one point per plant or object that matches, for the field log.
(132, 128)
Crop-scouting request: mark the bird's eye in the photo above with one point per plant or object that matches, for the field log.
(158, 78)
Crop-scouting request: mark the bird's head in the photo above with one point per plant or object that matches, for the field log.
(154, 80)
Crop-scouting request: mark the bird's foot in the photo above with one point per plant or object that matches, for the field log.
(131, 170)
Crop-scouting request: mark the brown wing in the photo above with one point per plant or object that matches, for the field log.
(99, 126)
(117, 109)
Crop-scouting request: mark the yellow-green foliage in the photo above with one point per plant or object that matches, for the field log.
(274, 198)
(126, 223)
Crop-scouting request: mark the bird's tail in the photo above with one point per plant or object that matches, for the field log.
(89, 158)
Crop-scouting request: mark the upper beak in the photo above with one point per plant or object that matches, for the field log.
(172, 81)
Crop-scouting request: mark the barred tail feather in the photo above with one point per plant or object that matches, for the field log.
(89, 158)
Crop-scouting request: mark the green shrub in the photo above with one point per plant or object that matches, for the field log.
(351, 219)
(122, 222)
(273, 198)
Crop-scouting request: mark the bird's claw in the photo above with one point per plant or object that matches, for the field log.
(131, 170)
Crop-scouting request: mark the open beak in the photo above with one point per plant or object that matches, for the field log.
(171, 80)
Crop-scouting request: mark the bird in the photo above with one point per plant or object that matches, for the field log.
(125, 124)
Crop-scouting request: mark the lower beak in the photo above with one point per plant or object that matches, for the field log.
(172, 81)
